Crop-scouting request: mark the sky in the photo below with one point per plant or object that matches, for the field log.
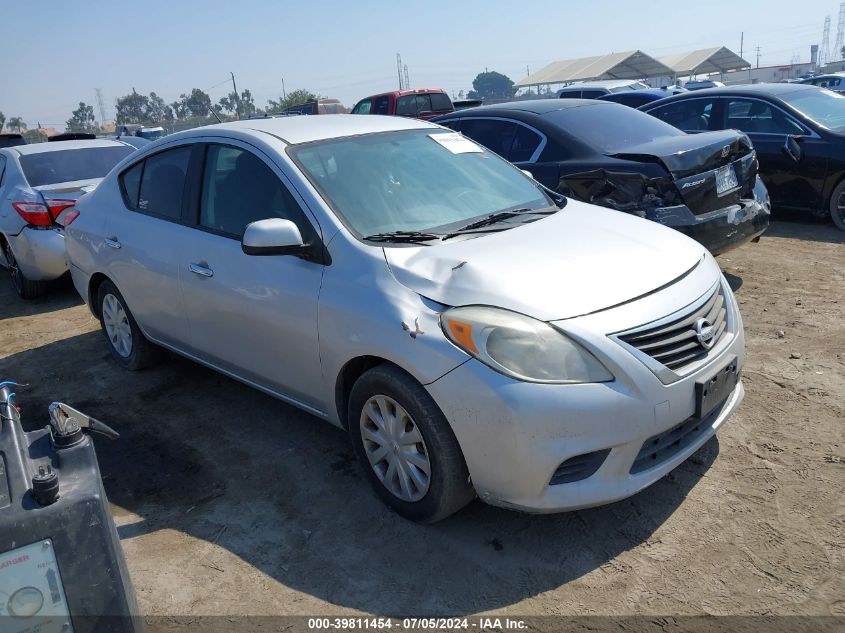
(60, 51)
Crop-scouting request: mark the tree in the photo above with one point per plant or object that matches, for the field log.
(295, 98)
(82, 119)
(196, 104)
(35, 136)
(157, 111)
(2, 121)
(492, 85)
(842, 52)
(131, 108)
(230, 104)
(16, 124)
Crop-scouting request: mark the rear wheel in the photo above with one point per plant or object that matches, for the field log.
(837, 206)
(127, 344)
(406, 446)
(26, 288)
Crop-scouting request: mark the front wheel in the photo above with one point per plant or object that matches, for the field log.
(837, 206)
(406, 446)
(127, 344)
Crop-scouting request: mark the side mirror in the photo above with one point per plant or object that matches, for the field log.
(792, 148)
(273, 236)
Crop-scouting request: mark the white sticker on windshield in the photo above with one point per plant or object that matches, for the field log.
(456, 143)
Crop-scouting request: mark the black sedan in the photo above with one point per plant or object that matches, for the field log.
(611, 155)
(797, 130)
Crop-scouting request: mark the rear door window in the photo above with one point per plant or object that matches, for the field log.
(494, 134)
(525, 143)
(690, 115)
(753, 116)
(381, 105)
(163, 183)
(130, 183)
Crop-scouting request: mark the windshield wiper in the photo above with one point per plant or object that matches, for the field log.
(402, 236)
(495, 218)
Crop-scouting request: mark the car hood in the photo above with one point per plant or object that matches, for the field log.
(580, 260)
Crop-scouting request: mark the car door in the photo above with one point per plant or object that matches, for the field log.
(143, 238)
(791, 183)
(252, 316)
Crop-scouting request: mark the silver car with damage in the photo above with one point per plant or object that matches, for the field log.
(473, 332)
(39, 185)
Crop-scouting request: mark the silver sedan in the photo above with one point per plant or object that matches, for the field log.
(474, 333)
(39, 185)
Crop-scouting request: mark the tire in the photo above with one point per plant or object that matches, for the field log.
(116, 317)
(837, 206)
(26, 288)
(447, 488)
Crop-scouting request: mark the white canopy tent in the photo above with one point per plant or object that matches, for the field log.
(706, 60)
(626, 65)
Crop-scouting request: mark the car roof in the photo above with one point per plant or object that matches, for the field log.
(534, 106)
(601, 83)
(749, 90)
(40, 148)
(402, 93)
(305, 129)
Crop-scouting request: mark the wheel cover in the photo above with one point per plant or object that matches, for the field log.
(840, 207)
(395, 448)
(116, 322)
(14, 269)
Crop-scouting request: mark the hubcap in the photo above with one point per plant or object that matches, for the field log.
(395, 448)
(14, 271)
(117, 325)
(840, 207)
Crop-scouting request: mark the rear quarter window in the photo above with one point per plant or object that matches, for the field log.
(130, 184)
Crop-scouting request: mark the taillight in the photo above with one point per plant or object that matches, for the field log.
(57, 206)
(39, 214)
(67, 217)
(33, 213)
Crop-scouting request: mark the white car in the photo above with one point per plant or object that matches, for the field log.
(473, 332)
(39, 183)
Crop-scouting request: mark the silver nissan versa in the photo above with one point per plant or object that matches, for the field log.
(473, 332)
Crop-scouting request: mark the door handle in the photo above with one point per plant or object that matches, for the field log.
(203, 271)
(113, 242)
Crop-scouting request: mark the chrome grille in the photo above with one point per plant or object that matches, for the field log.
(676, 344)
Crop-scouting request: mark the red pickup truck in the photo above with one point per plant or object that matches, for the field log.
(422, 103)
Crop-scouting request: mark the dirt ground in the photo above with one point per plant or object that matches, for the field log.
(230, 502)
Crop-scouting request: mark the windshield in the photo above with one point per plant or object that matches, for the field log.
(612, 127)
(48, 168)
(414, 180)
(825, 107)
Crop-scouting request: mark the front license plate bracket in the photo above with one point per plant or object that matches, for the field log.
(711, 391)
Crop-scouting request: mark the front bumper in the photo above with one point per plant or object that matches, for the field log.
(515, 435)
(721, 230)
(40, 253)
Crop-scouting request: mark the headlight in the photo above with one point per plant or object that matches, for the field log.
(521, 347)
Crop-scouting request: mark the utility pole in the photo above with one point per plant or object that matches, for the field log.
(284, 94)
(758, 57)
(237, 98)
(741, 42)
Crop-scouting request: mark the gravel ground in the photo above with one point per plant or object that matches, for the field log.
(230, 502)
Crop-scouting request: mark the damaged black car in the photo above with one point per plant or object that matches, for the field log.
(704, 185)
